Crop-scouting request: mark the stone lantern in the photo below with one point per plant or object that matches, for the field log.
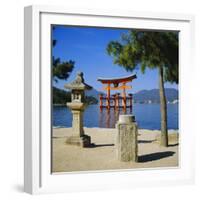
(77, 106)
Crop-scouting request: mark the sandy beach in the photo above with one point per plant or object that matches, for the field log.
(101, 155)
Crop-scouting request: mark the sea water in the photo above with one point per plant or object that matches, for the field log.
(147, 116)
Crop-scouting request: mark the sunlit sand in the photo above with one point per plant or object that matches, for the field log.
(101, 155)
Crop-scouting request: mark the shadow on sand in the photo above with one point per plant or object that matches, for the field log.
(92, 145)
(155, 156)
(145, 141)
(173, 145)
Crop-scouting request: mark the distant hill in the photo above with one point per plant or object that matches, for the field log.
(152, 96)
(60, 97)
(92, 96)
(93, 93)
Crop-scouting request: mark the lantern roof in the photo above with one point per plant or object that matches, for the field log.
(78, 83)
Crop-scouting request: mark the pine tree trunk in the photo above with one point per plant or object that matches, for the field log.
(163, 109)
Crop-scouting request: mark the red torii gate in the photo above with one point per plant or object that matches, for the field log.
(116, 84)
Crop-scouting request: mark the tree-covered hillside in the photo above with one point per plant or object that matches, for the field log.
(60, 97)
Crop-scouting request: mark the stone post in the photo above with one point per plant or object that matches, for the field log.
(126, 140)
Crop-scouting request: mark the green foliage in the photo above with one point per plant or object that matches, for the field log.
(149, 49)
(61, 70)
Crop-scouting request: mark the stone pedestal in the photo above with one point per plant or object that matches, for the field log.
(83, 141)
(78, 137)
(126, 140)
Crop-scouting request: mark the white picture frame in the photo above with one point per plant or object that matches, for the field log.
(37, 132)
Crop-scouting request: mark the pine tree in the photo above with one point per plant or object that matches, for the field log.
(153, 50)
(61, 70)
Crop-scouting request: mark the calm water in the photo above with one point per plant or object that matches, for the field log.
(147, 116)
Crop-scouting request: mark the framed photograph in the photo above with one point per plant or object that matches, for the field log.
(106, 99)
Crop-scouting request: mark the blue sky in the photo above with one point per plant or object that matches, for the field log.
(87, 47)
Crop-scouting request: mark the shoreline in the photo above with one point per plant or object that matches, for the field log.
(134, 103)
(141, 129)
